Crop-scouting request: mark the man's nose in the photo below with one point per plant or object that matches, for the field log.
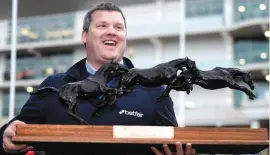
(111, 30)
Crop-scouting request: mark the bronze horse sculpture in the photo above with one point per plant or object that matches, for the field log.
(161, 74)
(215, 78)
(93, 87)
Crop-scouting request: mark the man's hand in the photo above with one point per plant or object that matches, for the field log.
(179, 150)
(8, 145)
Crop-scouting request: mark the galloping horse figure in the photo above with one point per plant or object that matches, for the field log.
(161, 74)
(93, 87)
(216, 78)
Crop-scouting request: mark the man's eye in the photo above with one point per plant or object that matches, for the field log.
(119, 28)
(101, 26)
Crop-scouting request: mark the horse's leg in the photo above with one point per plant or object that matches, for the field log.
(246, 77)
(183, 82)
(111, 103)
(248, 80)
(186, 85)
(124, 87)
(182, 87)
(72, 111)
(120, 92)
(126, 79)
(191, 65)
(236, 86)
(166, 92)
(180, 83)
(174, 81)
(109, 99)
(82, 121)
(99, 109)
(130, 80)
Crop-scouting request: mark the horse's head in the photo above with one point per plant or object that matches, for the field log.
(191, 65)
(117, 69)
(111, 69)
(248, 79)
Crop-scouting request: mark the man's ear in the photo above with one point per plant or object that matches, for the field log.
(83, 37)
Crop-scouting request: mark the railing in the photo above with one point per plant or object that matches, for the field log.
(40, 67)
(44, 28)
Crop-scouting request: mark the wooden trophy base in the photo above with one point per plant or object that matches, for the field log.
(137, 139)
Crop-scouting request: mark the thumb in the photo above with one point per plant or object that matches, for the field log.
(18, 122)
(14, 124)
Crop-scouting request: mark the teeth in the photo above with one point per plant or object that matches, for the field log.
(110, 42)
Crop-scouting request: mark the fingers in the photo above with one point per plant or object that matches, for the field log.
(167, 150)
(193, 151)
(188, 91)
(156, 151)
(179, 149)
(188, 149)
(8, 134)
(28, 148)
(12, 148)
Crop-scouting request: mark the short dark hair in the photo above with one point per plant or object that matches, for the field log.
(102, 6)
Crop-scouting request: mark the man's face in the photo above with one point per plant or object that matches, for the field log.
(106, 38)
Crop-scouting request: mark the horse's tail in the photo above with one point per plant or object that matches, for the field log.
(43, 89)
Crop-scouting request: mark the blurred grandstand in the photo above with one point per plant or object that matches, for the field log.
(225, 33)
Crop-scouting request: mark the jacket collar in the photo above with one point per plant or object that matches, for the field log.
(78, 71)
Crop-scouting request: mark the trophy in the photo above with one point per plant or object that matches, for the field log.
(137, 139)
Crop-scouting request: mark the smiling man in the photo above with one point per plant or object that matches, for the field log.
(104, 37)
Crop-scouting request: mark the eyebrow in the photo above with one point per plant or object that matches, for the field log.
(118, 23)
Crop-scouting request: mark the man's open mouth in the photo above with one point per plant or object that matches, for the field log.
(110, 42)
